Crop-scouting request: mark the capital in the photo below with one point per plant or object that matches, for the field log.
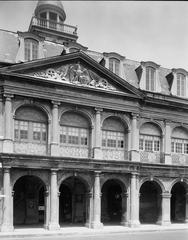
(134, 115)
(55, 103)
(8, 96)
(98, 110)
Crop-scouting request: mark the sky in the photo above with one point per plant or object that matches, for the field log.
(139, 30)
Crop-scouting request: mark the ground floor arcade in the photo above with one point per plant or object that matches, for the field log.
(54, 198)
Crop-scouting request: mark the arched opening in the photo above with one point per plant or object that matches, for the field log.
(72, 202)
(114, 139)
(30, 131)
(111, 203)
(150, 202)
(74, 135)
(178, 202)
(150, 143)
(29, 202)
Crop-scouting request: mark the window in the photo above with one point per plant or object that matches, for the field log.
(31, 49)
(181, 86)
(179, 146)
(53, 20)
(149, 143)
(112, 139)
(150, 78)
(114, 65)
(26, 131)
(74, 136)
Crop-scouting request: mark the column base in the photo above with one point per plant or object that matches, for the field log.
(164, 223)
(96, 225)
(168, 159)
(97, 153)
(8, 146)
(135, 156)
(53, 227)
(54, 149)
(186, 221)
(6, 228)
(134, 224)
(88, 225)
(125, 224)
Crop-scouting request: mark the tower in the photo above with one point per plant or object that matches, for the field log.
(48, 22)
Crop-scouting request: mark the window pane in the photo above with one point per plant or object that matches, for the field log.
(150, 79)
(156, 146)
(148, 145)
(141, 144)
(178, 147)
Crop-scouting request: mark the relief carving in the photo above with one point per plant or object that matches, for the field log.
(75, 74)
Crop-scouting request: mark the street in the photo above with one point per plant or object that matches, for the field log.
(157, 235)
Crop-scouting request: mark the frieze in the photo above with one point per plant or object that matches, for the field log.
(75, 74)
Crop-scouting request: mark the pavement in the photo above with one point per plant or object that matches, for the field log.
(77, 230)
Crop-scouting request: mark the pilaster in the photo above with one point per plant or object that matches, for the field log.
(165, 205)
(167, 141)
(186, 208)
(135, 155)
(124, 219)
(98, 137)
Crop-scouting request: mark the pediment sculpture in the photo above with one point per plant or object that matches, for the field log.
(75, 74)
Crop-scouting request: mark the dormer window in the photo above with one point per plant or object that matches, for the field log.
(181, 86)
(114, 65)
(31, 49)
(150, 79)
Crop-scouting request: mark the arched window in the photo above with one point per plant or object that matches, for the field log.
(31, 49)
(150, 79)
(113, 134)
(114, 65)
(150, 138)
(75, 134)
(181, 85)
(179, 141)
(30, 125)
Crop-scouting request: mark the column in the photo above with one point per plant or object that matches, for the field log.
(54, 221)
(55, 130)
(186, 208)
(124, 220)
(8, 143)
(89, 207)
(96, 223)
(1, 124)
(134, 203)
(98, 140)
(7, 223)
(47, 209)
(135, 156)
(167, 143)
(165, 207)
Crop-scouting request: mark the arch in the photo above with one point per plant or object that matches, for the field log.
(178, 202)
(153, 179)
(118, 179)
(150, 202)
(29, 200)
(152, 127)
(73, 201)
(183, 180)
(180, 132)
(154, 122)
(83, 113)
(114, 201)
(33, 105)
(124, 120)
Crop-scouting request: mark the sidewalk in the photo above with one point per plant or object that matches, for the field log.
(70, 231)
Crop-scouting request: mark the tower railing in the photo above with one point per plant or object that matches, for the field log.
(61, 27)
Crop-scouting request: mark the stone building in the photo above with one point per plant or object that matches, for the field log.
(88, 138)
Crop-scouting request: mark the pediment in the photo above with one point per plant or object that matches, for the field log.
(75, 74)
(76, 69)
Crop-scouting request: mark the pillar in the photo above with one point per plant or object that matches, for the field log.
(165, 208)
(135, 155)
(47, 209)
(55, 130)
(7, 220)
(96, 223)
(186, 208)
(8, 143)
(134, 203)
(124, 220)
(54, 221)
(89, 207)
(98, 139)
(167, 143)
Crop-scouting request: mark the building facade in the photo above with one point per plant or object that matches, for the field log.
(86, 137)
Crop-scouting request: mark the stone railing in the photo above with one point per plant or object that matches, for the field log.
(151, 157)
(73, 151)
(112, 154)
(179, 159)
(30, 148)
(61, 27)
